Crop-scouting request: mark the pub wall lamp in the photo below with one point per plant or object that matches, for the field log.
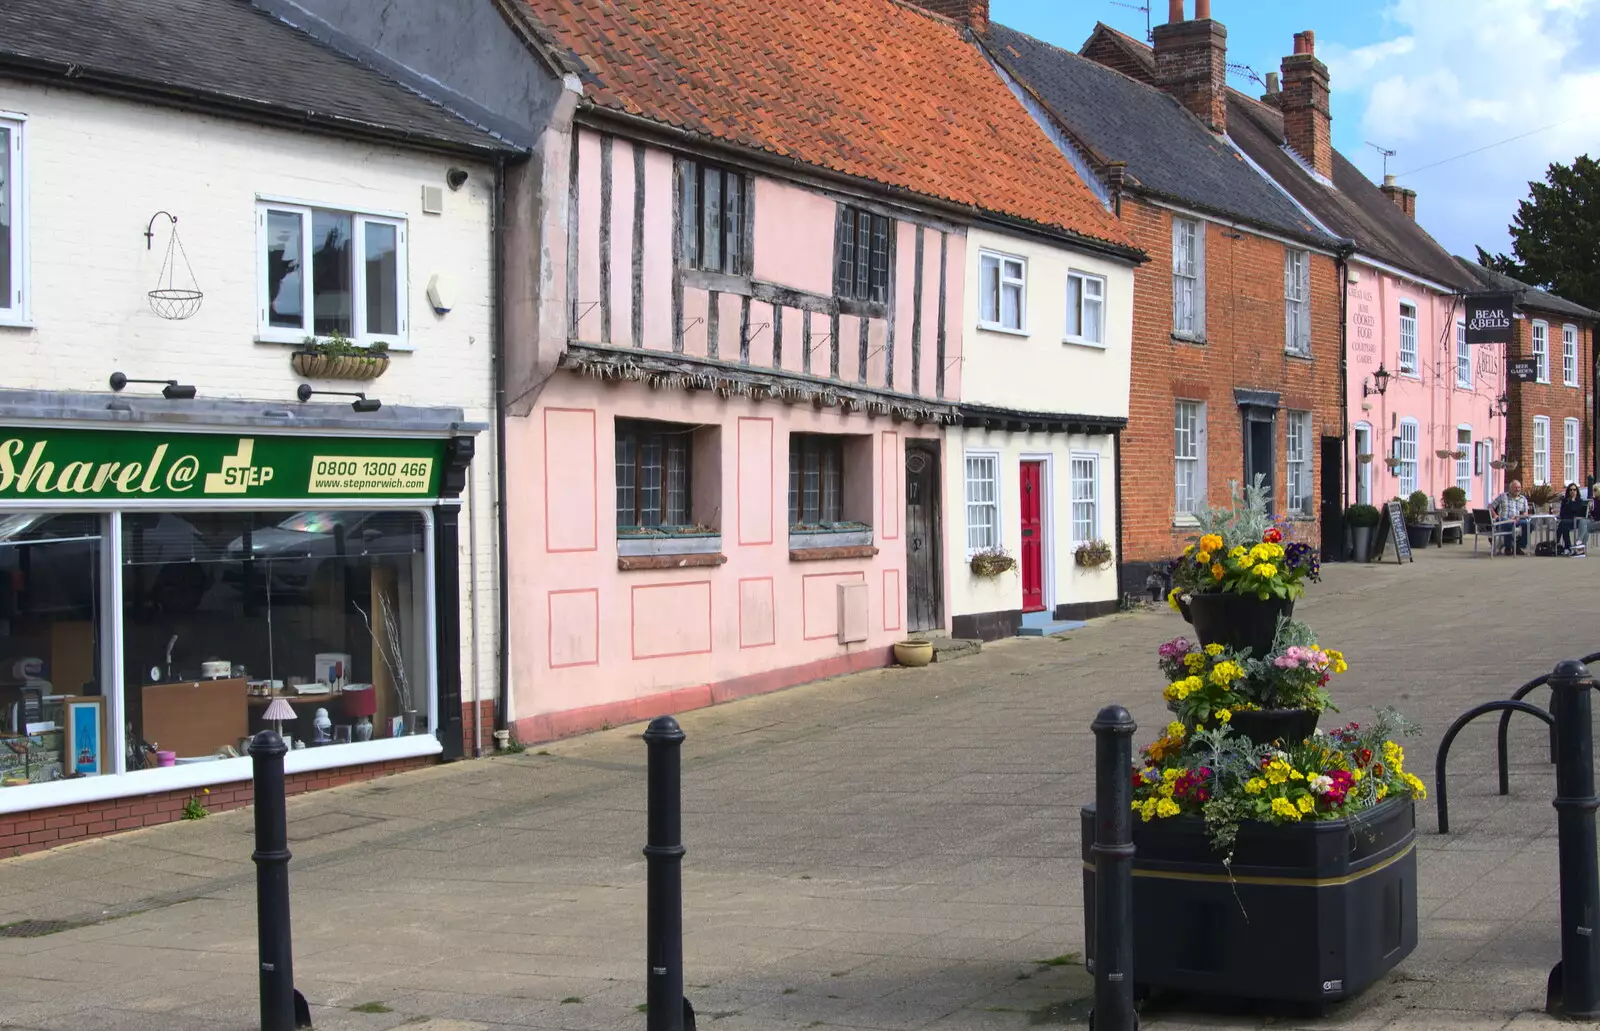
(171, 389)
(1502, 404)
(1380, 383)
(362, 403)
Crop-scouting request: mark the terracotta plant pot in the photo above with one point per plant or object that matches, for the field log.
(339, 366)
(1264, 726)
(913, 653)
(1238, 621)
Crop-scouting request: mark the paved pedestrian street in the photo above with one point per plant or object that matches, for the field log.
(897, 849)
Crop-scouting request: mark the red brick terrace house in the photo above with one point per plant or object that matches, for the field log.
(1236, 337)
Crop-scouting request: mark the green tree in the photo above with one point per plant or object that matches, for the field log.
(1554, 231)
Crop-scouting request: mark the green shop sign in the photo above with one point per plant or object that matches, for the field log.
(59, 465)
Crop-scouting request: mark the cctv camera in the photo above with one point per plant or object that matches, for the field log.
(455, 178)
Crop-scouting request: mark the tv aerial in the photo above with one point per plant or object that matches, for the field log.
(1149, 33)
(1386, 152)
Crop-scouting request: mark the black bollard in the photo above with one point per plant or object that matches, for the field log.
(1113, 871)
(1575, 981)
(272, 884)
(663, 852)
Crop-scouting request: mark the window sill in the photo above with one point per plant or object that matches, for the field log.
(1185, 522)
(1290, 352)
(825, 539)
(1542, 382)
(16, 322)
(640, 545)
(1093, 345)
(1409, 374)
(1188, 338)
(826, 554)
(678, 561)
(299, 340)
(995, 327)
(863, 309)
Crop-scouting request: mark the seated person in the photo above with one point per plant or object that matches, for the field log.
(1512, 507)
(1574, 516)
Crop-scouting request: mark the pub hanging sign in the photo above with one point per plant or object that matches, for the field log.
(1489, 318)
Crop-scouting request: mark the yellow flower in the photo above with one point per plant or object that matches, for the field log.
(1266, 570)
(1419, 790)
(1147, 810)
(1225, 673)
(1213, 650)
(1393, 755)
(1167, 807)
(1172, 693)
(1176, 730)
(1254, 786)
(1195, 661)
(1217, 572)
(1356, 774)
(1237, 551)
(1224, 715)
(1277, 772)
(1203, 558)
(1169, 774)
(1137, 805)
(1383, 791)
(1211, 542)
(1188, 550)
(1336, 661)
(1172, 599)
(1296, 775)
(1285, 808)
(1305, 804)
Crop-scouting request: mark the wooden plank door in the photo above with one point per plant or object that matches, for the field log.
(1032, 558)
(924, 580)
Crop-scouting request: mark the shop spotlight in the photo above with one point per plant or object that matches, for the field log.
(362, 403)
(171, 389)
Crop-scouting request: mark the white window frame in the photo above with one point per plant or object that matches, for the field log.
(1406, 472)
(995, 483)
(1415, 368)
(1093, 500)
(1297, 464)
(1541, 351)
(1185, 516)
(1084, 279)
(1571, 432)
(1463, 356)
(360, 219)
(1464, 465)
(1002, 281)
(1363, 469)
(1190, 325)
(14, 306)
(1569, 355)
(1541, 452)
(1297, 302)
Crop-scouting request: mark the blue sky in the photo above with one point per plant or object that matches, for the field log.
(1431, 79)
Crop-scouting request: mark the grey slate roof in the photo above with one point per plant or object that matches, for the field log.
(1354, 208)
(1531, 296)
(1169, 153)
(224, 56)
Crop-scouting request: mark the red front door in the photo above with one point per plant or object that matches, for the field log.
(1032, 538)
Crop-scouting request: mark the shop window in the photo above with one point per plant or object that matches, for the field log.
(226, 612)
(13, 238)
(50, 611)
(326, 272)
(667, 478)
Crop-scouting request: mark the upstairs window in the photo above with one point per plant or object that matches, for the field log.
(1408, 339)
(816, 479)
(1188, 278)
(1463, 357)
(325, 272)
(1569, 355)
(653, 475)
(861, 271)
(1541, 353)
(1297, 302)
(1003, 281)
(13, 263)
(1086, 308)
(713, 218)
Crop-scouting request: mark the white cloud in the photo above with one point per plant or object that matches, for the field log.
(1455, 75)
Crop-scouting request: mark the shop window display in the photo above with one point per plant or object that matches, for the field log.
(225, 613)
(50, 609)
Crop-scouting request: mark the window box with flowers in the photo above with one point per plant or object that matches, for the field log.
(336, 356)
(1093, 555)
(1247, 817)
(991, 562)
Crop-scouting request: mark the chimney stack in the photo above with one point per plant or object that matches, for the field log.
(1307, 120)
(1400, 197)
(972, 13)
(1192, 63)
(1274, 93)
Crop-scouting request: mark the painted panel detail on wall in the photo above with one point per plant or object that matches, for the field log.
(755, 481)
(891, 599)
(889, 468)
(820, 602)
(853, 612)
(757, 622)
(570, 519)
(671, 619)
(574, 632)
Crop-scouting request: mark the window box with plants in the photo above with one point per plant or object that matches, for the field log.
(336, 356)
(991, 563)
(1093, 555)
(668, 540)
(1272, 859)
(1362, 520)
(843, 534)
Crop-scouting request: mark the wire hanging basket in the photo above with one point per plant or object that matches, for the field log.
(169, 300)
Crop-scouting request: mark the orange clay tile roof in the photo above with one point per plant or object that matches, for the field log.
(869, 88)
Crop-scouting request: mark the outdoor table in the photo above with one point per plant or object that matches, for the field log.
(1541, 526)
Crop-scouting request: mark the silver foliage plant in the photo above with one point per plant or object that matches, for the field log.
(1246, 518)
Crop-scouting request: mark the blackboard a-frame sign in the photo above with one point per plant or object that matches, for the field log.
(1395, 527)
